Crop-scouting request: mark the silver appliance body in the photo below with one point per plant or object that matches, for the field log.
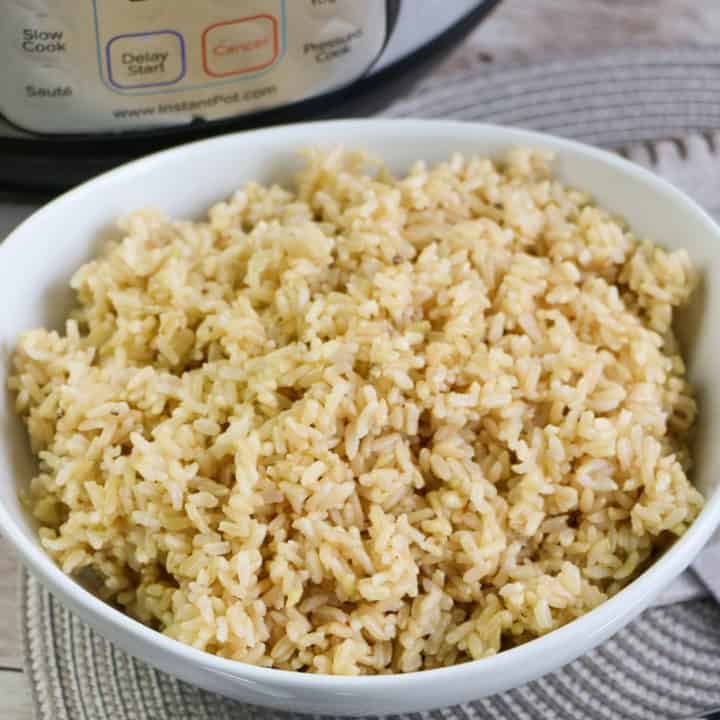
(97, 71)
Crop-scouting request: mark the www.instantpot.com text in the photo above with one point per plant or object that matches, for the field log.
(194, 106)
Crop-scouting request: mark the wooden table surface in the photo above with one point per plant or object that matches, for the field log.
(518, 31)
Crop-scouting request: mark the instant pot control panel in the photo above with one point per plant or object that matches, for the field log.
(85, 66)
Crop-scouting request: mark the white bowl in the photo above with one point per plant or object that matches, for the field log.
(37, 260)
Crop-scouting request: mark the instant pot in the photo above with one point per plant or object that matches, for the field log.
(87, 84)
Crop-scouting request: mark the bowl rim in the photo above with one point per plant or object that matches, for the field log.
(594, 625)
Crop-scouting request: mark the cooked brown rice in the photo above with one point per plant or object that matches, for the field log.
(366, 425)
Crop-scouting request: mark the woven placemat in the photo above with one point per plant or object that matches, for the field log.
(610, 100)
(658, 107)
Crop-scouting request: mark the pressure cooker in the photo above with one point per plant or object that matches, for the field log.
(87, 84)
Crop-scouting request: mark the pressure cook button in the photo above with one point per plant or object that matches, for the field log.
(144, 60)
(335, 40)
(245, 45)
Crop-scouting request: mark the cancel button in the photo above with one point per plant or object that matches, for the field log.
(142, 60)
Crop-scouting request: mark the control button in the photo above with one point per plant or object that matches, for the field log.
(240, 46)
(334, 40)
(44, 43)
(144, 9)
(151, 59)
(37, 36)
(33, 5)
(49, 87)
(268, 7)
(323, 8)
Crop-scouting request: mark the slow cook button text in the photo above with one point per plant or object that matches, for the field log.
(43, 41)
(335, 47)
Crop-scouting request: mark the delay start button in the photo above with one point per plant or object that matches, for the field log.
(144, 60)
